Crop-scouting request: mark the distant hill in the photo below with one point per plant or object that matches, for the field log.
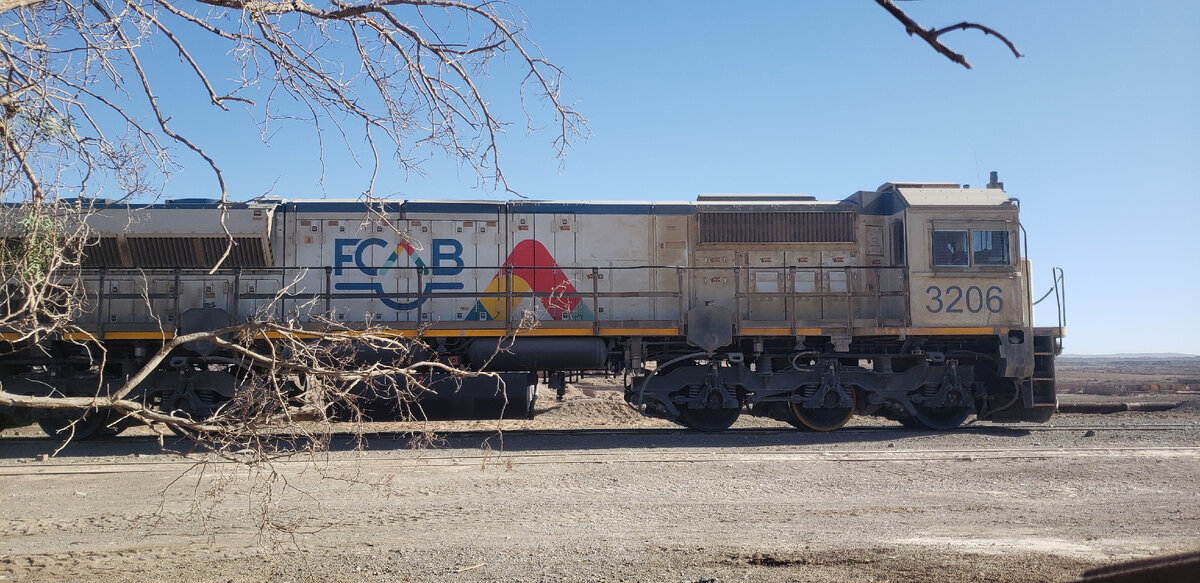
(1133, 355)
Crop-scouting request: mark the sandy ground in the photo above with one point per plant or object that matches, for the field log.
(1128, 376)
(589, 491)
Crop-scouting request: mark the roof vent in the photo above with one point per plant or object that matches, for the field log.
(994, 181)
(777, 227)
(204, 201)
(756, 198)
(85, 201)
(887, 186)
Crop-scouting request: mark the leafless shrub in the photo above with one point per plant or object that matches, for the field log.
(40, 250)
(81, 117)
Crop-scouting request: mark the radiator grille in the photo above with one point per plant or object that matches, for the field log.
(196, 252)
(777, 227)
(105, 252)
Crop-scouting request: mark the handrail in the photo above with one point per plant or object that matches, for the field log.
(1025, 268)
(1059, 289)
(684, 286)
(1060, 283)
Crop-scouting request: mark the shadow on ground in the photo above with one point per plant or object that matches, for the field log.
(512, 440)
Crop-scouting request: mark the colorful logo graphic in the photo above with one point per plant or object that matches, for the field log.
(533, 269)
(395, 256)
(444, 251)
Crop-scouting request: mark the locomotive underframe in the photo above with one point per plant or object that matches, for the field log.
(905, 378)
(900, 378)
(196, 381)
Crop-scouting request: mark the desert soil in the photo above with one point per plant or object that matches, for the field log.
(590, 491)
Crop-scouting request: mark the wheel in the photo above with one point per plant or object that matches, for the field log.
(184, 432)
(708, 420)
(112, 428)
(91, 425)
(88, 423)
(197, 397)
(938, 418)
(820, 419)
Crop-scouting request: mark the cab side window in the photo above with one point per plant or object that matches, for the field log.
(990, 248)
(950, 249)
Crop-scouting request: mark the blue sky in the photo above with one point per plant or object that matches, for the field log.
(1096, 130)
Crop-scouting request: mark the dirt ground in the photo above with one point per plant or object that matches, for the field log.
(1128, 376)
(591, 491)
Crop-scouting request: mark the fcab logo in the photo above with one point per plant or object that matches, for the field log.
(351, 253)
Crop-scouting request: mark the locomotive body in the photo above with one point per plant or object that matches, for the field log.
(911, 301)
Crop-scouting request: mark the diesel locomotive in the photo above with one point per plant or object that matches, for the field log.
(912, 301)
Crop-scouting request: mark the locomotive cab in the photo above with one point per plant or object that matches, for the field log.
(970, 292)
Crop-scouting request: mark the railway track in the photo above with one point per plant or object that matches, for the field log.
(629, 454)
(728, 435)
(657, 457)
(832, 436)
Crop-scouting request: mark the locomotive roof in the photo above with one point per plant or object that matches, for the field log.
(889, 198)
(564, 207)
(953, 196)
(893, 197)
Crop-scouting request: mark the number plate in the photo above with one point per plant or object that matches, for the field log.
(958, 299)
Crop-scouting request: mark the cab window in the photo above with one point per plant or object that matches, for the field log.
(950, 249)
(990, 248)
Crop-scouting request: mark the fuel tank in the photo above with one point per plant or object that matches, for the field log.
(534, 354)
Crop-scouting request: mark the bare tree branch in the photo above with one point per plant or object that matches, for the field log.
(986, 30)
(932, 35)
(387, 77)
(80, 116)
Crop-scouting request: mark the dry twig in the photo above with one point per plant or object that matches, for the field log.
(932, 35)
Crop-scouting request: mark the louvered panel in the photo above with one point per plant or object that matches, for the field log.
(197, 252)
(105, 252)
(148, 252)
(245, 252)
(212, 249)
(777, 227)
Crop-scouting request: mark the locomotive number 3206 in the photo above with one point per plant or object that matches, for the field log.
(975, 299)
